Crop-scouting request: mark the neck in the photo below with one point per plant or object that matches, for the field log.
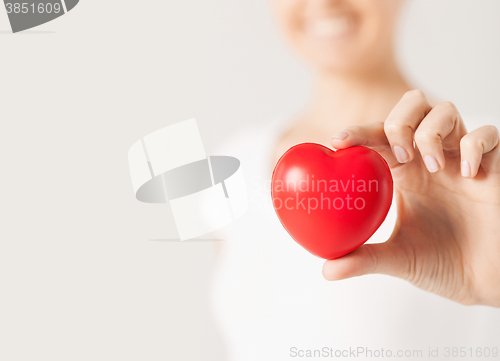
(341, 100)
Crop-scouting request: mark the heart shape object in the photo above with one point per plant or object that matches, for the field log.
(331, 202)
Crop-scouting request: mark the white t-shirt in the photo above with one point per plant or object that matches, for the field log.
(271, 302)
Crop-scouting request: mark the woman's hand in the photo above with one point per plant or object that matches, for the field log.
(447, 234)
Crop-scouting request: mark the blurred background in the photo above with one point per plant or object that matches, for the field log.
(80, 277)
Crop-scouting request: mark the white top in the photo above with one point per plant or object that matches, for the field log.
(269, 295)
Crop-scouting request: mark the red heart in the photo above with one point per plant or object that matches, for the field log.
(331, 202)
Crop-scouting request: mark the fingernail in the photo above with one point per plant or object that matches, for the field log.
(401, 154)
(465, 169)
(431, 163)
(340, 136)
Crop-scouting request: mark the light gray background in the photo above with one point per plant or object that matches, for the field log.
(79, 279)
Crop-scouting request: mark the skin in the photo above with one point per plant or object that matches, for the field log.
(356, 77)
(447, 187)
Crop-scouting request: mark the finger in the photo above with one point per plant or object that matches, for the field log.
(369, 135)
(480, 147)
(441, 129)
(403, 121)
(385, 258)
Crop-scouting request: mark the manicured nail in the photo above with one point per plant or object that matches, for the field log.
(340, 136)
(465, 169)
(401, 154)
(431, 163)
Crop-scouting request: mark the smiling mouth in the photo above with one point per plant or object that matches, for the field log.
(329, 28)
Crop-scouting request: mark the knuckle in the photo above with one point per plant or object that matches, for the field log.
(425, 136)
(447, 106)
(374, 260)
(392, 127)
(470, 142)
(416, 94)
(409, 270)
(491, 129)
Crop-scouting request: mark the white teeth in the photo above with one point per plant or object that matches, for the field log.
(327, 28)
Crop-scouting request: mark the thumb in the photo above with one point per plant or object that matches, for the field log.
(385, 258)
